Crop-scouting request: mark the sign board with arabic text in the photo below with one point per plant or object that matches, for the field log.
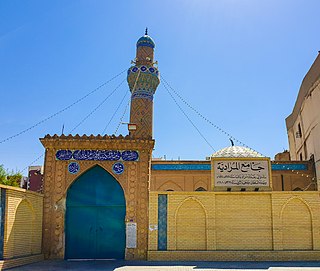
(241, 173)
(131, 235)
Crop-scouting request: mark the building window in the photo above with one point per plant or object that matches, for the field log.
(299, 132)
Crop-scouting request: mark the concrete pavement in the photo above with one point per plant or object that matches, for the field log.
(110, 265)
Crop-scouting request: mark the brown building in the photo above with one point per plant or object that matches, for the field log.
(303, 123)
(35, 179)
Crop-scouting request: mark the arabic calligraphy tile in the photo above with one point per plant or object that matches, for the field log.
(118, 168)
(81, 155)
(73, 168)
(97, 155)
(113, 155)
(130, 156)
(64, 155)
(143, 95)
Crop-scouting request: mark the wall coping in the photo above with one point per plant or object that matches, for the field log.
(205, 193)
(8, 187)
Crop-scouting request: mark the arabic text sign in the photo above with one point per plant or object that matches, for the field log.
(241, 173)
(131, 232)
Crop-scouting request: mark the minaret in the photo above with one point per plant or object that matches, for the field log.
(143, 80)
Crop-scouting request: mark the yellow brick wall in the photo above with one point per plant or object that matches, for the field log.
(190, 235)
(297, 226)
(203, 222)
(243, 222)
(153, 220)
(23, 223)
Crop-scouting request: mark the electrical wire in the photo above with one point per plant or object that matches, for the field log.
(37, 159)
(125, 110)
(203, 117)
(222, 130)
(121, 119)
(115, 112)
(184, 113)
(226, 133)
(98, 106)
(62, 110)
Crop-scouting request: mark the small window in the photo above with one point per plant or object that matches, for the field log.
(299, 129)
(301, 157)
(297, 189)
(200, 189)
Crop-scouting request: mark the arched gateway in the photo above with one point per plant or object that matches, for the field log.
(95, 217)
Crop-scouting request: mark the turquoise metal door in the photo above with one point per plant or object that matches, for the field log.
(95, 217)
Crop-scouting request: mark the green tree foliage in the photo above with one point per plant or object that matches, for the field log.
(9, 178)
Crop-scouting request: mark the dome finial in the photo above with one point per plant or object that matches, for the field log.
(232, 144)
(146, 33)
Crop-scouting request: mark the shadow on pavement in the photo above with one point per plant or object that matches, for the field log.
(111, 265)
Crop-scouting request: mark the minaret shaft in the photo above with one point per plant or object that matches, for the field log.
(143, 80)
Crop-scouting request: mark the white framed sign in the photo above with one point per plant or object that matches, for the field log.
(241, 172)
(131, 235)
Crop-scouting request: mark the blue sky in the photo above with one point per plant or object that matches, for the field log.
(239, 62)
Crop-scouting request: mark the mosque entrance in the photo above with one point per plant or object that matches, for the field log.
(95, 217)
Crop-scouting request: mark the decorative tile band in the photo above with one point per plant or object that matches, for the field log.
(144, 81)
(162, 221)
(97, 155)
(2, 219)
(181, 167)
(289, 166)
(208, 167)
(145, 69)
(142, 95)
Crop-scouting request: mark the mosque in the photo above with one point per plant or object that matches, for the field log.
(104, 197)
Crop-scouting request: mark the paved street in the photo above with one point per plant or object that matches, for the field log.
(170, 266)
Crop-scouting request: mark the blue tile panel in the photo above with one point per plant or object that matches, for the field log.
(181, 167)
(162, 222)
(208, 167)
(97, 155)
(2, 219)
(289, 167)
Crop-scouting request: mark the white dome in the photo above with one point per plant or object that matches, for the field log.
(236, 151)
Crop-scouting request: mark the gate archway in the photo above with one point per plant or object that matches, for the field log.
(95, 217)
